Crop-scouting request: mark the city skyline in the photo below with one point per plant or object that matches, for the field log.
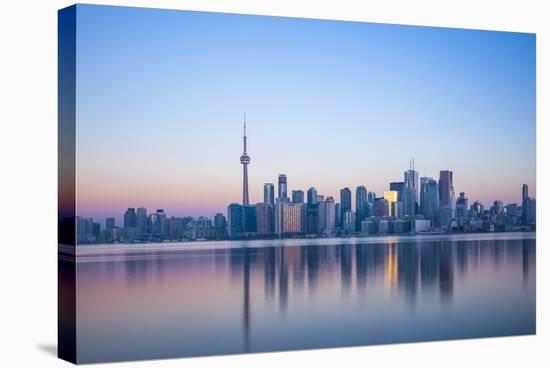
(327, 114)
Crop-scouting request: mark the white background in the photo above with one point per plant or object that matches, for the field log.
(28, 182)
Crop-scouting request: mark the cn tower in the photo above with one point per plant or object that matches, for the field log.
(245, 160)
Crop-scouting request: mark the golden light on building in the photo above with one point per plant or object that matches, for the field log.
(391, 197)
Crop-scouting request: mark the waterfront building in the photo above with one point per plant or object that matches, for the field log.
(369, 227)
(498, 207)
(391, 197)
(142, 220)
(401, 226)
(361, 205)
(461, 208)
(321, 215)
(269, 193)
(345, 201)
(530, 211)
(234, 220)
(282, 189)
(410, 190)
(175, 228)
(312, 196)
(476, 209)
(201, 228)
(422, 225)
(311, 219)
(397, 186)
(349, 222)
(429, 199)
(249, 219)
(371, 197)
(337, 216)
(130, 218)
(110, 223)
(330, 216)
(219, 221)
(383, 227)
(265, 220)
(381, 207)
(528, 206)
(446, 198)
(298, 196)
(162, 223)
(288, 218)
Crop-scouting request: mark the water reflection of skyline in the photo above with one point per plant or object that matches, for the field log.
(280, 279)
(407, 268)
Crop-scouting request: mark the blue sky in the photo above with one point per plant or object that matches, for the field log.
(161, 94)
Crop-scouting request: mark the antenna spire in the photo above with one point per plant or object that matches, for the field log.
(244, 136)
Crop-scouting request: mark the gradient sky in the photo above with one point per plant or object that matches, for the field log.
(161, 94)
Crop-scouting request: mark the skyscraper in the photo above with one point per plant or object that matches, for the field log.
(337, 215)
(163, 223)
(476, 209)
(461, 208)
(245, 160)
(282, 189)
(348, 222)
(288, 218)
(130, 218)
(141, 219)
(220, 221)
(381, 207)
(330, 215)
(311, 219)
(269, 193)
(409, 192)
(371, 197)
(530, 211)
(361, 205)
(498, 207)
(446, 189)
(528, 207)
(298, 196)
(321, 216)
(391, 197)
(397, 186)
(110, 223)
(446, 197)
(312, 196)
(234, 220)
(265, 221)
(345, 201)
(249, 218)
(429, 199)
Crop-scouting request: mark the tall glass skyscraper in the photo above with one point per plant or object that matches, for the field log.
(234, 220)
(446, 197)
(269, 193)
(361, 205)
(345, 201)
(429, 199)
(312, 196)
(298, 196)
(409, 193)
(282, 190)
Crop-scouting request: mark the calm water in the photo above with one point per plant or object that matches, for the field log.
(171, 300)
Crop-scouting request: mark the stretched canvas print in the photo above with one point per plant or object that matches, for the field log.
(237, 183)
